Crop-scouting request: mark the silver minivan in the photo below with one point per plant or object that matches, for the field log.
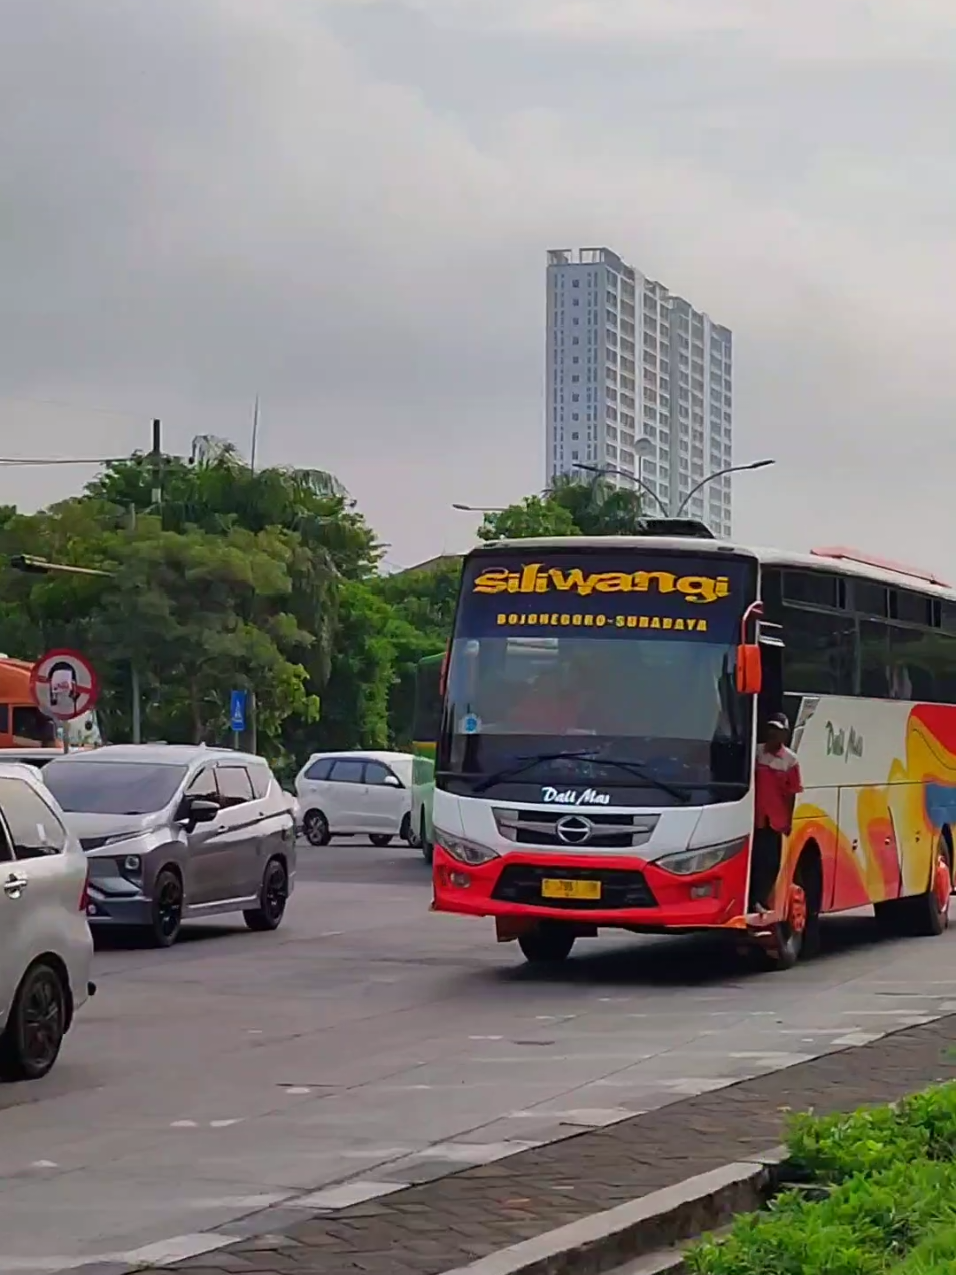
(177, 832)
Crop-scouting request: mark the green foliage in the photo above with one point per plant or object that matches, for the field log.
(423, 611)
(569, 508)
(833, 1148)
(533, 516)
(267, 581)
(888, 1181)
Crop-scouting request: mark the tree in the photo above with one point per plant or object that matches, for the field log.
(569, 508)
(533, 516)
(199, 615)
(423, 610)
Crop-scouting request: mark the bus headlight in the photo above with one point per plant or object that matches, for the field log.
(689, 862)
(462, 850)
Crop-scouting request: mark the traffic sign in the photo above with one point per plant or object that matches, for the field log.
(63, 685)
(237, 711)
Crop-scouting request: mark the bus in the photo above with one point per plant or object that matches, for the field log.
(604, 700)
(425, 735)
(23, 726)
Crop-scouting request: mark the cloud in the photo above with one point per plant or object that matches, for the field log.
(816, 30)
(345, 208)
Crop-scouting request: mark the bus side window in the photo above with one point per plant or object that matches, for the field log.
(4, 719)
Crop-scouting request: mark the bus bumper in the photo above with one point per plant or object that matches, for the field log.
(627, 893)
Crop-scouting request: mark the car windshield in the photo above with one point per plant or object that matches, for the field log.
(99, 787)
(629, 687)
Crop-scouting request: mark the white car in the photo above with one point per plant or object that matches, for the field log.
(46, 949)
(356, 794)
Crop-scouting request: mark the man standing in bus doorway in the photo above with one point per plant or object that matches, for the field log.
(777, 782)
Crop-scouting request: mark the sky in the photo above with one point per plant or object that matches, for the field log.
(345, 209)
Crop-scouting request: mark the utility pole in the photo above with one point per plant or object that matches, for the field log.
(156, 461)
(134, 671)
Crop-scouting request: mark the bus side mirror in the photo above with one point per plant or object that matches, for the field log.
(749, 669)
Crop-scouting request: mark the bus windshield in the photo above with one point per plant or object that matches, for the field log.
(621, 660)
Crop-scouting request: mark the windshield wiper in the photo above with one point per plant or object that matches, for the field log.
(526, 763)
(631, 767)
(643, 772)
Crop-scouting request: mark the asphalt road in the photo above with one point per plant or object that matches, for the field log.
(370, 1043)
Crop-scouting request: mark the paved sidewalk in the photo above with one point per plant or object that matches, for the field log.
(437, 1226)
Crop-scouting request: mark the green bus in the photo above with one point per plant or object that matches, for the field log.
(428, 700)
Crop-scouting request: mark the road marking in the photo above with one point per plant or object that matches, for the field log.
(853, 1039)
(223, 1124)
(295, 1091)
(346, 1194)
(184, 1124)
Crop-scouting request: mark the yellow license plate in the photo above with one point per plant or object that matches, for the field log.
(552, 888)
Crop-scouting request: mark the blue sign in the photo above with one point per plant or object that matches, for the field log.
(237, 710)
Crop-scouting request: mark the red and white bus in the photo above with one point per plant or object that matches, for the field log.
(603, 701)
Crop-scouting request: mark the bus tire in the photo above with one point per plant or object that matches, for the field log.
(427, 849)
(798, 937)
(923, 915)
(549, 943)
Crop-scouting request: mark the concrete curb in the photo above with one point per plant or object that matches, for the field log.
(644, 1228)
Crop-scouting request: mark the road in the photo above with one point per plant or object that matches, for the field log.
(369, 1043)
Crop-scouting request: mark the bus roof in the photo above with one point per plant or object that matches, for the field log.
(841, 560)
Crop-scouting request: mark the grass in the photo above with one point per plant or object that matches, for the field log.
(877, 1195)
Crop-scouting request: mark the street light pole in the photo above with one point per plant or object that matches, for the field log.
(603, 470)
(720, 473)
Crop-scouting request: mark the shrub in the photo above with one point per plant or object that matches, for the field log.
(889, 1180)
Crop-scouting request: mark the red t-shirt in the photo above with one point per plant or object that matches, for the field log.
(777, 781)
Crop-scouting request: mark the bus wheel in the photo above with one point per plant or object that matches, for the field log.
(427, 849)
(798, 934)
(922, 915)
(549, 944)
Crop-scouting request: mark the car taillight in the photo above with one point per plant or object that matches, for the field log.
(85, 893)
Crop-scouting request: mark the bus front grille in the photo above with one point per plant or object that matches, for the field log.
(620, 888)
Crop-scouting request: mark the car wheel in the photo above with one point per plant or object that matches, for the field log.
(380, 839)
(167, 919)
(34, 1033)
(405, 832)
(272, 899)
(316, 828)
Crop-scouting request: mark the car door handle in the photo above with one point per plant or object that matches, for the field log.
(14, 885)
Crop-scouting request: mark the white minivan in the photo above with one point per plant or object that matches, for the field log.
(46, 948)
(365, 793)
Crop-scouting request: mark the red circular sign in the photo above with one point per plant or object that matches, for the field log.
(63, 685)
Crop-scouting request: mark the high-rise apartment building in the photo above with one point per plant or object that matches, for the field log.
(639, 385)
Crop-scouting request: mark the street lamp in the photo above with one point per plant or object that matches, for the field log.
(604, 470)
(479, 509)
(720, 473)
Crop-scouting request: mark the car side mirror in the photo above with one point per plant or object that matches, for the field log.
(197, 810)
(392, 781)
(749, 673)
